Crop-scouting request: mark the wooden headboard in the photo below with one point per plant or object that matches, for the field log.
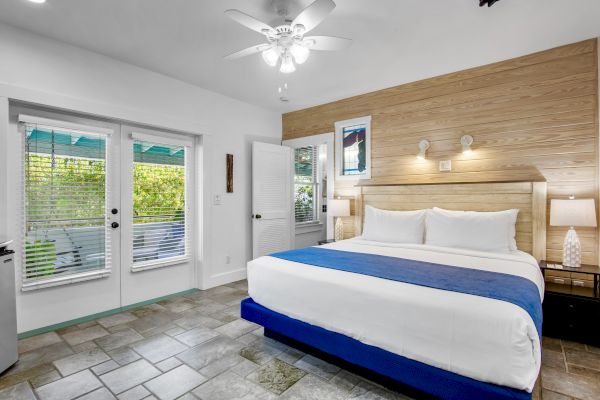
(528, 197)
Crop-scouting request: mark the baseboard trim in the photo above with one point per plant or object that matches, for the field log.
(101, 314)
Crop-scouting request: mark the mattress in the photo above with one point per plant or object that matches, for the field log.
(478, 337)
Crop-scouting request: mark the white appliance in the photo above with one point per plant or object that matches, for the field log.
(8, 310)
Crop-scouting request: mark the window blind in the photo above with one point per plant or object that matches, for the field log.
(305, 184)
(64, 192)
(160, 209)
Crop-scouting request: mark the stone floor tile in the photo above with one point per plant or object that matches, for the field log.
(10, 379)
(124, 355)
(221, 364)
(236, 328)
(194, 319)
(40, 356)
(119, 339)
(105, 367)
(149, 309)
(80, 361)
(177, 330)
(218, 290)
(592, 349)
(229, 386)
(44, 379)
(128, 376)
(70, 387)
(187, 396)
(229, 299)
(276, 376)
(223, 317)
(20, 391)
(195, 336)
(248, 338)
(35, 342)
(83, 335)
(178, 304)
(244, 368)
(158, 348)
(136, 393)
(116, 319)
(175, 383)
(150, 322)
(99, 394)
(87, 324)
(318, 367)
(345, 380)
(78, 348)
(261, 352)
(583, 358)
(168, 364)
(200, 356)
(210, 307)
(311, 388)
(291, 355)
(577, 386)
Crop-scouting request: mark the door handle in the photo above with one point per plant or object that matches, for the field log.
(258, 216)
(114, 225)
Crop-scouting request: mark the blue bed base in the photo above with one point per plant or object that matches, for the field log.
(421, 380)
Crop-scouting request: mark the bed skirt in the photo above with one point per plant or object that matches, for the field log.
(420, 379)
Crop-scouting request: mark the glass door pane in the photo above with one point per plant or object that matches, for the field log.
(65, 200)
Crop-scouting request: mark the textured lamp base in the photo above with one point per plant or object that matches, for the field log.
(339, 229)
(571, 250)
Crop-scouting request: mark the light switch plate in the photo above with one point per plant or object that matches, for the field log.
(445, 165)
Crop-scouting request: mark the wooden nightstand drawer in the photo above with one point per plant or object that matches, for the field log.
(558, 279)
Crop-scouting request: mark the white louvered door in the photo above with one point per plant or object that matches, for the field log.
(272, 198)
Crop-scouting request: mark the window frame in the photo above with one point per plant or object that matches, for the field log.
(339, 128)
(187, 142)
(22, 121)
(317, 188)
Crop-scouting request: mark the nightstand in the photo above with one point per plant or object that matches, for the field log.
(321, 242)
(571, 302)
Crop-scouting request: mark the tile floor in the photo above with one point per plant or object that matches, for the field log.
(196, 347)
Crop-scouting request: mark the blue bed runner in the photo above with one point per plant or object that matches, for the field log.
(494, 285)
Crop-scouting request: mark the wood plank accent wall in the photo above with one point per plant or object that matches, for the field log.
(533, 113)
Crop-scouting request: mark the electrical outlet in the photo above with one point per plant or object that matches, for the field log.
(217, 199)
(445, 165)
(227, 260)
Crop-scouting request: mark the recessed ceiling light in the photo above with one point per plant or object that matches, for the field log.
(38, 1)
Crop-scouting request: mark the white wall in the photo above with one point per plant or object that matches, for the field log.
(38, 70)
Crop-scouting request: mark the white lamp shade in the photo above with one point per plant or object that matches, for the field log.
(576, 212)
(338, 208)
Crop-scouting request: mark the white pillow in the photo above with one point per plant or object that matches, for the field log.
(394, 226)
(484, 231)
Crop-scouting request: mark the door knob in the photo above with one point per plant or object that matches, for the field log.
(114, 211)
(258, 216)
(114, 225)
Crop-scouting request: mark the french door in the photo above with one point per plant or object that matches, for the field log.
(105, 215)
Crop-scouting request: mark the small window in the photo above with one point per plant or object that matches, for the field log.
(159, 202)
(353, 148)
(306, 184)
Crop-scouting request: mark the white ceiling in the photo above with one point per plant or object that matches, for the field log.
(395, 41)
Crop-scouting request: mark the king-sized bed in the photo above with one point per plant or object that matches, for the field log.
(448, 321)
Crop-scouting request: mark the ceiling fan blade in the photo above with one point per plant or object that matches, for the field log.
(326, 43)
(249, 51)
(249, 21)
(314, 14)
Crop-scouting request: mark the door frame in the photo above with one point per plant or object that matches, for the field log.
(329, 140)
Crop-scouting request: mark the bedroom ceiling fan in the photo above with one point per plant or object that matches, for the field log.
(286, 43)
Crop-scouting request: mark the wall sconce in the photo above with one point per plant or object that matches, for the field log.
(466, 141)
(423, 146)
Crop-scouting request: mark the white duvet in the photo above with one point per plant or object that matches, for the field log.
(478, 337)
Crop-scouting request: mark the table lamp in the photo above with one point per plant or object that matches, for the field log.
(338, 208)
(572, 213)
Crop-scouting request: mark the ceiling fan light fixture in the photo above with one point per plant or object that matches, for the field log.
(300, 53)
(287, 64)
(271, 56)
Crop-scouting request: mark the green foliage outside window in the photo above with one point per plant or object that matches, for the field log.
(158, 192)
